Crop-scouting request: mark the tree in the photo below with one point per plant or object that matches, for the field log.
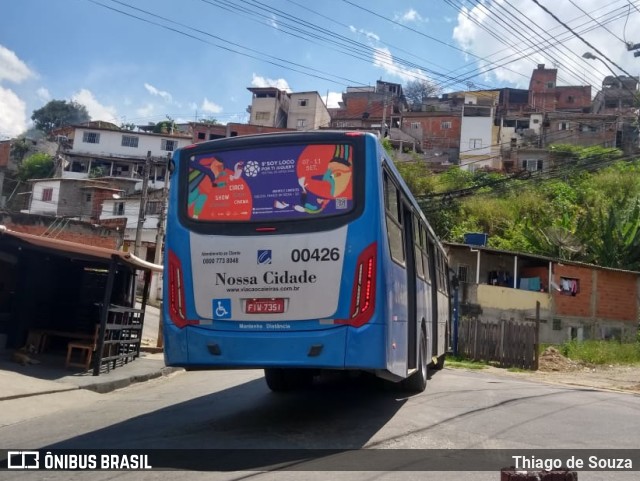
(168, 126)
(58, 113)
(36, 166)
(416, 91)
(20, 147)
(614, 239)
(209, 121)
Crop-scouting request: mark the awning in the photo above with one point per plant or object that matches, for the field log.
(82, 251)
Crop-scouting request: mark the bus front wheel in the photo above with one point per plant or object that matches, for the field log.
(287, 379)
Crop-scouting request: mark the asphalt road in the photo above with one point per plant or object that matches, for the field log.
(235, 409)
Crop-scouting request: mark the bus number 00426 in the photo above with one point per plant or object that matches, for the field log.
(321, 255)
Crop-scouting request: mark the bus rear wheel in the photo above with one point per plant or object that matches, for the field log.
(417, 382)
(287, 379)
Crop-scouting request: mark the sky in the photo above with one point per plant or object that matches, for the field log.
(141, 61)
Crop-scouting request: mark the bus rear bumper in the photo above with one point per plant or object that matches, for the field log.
(320, 349)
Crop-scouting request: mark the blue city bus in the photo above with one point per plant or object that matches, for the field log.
(300, 252)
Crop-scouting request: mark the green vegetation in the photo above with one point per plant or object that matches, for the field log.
(36, 166)
(517, 369)
(462, 363)
(586, 208)
(602, 352)
(165, 126)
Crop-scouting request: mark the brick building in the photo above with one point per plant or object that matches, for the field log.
(203, 131)
(577, 300)
(546, 96)
(108, 236)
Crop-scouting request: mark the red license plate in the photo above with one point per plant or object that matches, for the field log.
(265, 306)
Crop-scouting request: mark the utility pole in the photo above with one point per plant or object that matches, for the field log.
(157, 259)
(383, 127)
(161, 216)
(143, 203)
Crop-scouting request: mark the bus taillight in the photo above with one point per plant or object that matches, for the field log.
(363, 298)
(176, 293)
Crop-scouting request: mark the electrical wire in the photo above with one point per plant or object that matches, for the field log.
(580, 37)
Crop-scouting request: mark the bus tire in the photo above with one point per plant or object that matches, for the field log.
(287, 379)
(417, 382)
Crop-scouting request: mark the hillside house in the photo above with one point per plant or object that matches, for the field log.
(100, 150)
(577, 300)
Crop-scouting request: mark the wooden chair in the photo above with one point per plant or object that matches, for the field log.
(86, 348)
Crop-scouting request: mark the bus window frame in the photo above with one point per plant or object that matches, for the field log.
(388, 181)
(275, 227)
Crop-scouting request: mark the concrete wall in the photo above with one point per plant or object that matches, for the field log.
(506, 298)
(39, 206)
(314, 113)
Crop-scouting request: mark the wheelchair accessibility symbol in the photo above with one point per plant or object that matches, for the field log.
(222, 308)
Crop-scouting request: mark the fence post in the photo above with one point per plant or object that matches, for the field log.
(536, 339)
(502, 329)
(475, 339)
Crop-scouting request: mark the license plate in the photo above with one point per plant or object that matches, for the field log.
(264, 306)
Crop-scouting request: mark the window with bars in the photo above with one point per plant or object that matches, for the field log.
(445, 124)
(130, 141)
(91, 137)
(168, 145)
(153, 207)
(263, 115)
(47, 194)
(463, 273)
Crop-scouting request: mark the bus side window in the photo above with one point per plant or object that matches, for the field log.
(425, 253)
(428, 247)
(393, 220)
(442, 279)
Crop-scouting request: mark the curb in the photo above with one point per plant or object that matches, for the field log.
(31, 394)
(151, 350)
(108, 386)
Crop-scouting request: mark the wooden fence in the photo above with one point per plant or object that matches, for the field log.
(509, 343)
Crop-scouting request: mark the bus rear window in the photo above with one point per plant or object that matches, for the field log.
(270, 183)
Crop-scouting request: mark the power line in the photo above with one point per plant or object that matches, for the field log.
(508, 59)
(603, 26)
(223, 47)
(580, 37)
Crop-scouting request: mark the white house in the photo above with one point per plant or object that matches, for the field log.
(307, 111)
(98, 149)
(478, 134)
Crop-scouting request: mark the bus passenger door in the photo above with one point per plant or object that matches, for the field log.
(435, 282)
(412, 322)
